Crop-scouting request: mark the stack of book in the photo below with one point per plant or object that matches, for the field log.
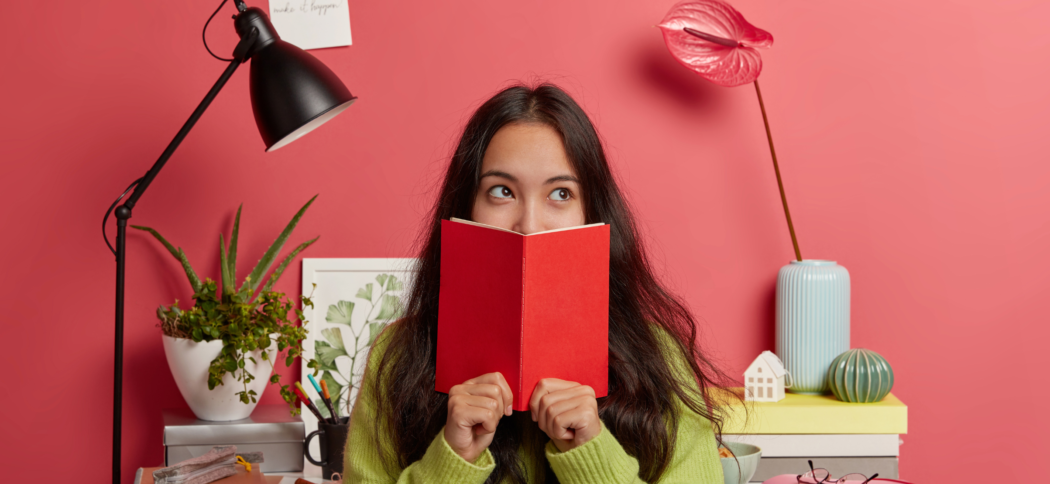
(838, 436)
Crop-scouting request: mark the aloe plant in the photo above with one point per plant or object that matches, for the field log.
(242, 317)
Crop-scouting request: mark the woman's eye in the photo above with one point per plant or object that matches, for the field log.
(560, 194)
(501, 191)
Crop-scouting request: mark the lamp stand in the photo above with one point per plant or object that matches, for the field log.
(241, 54)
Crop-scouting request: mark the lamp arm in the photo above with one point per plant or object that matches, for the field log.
(239, 56)
(123, 213)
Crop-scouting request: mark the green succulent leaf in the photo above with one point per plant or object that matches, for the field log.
(191, 275)
(231, 257)
(284, 264)
(227, 278)
(267, 260)
(340, 312)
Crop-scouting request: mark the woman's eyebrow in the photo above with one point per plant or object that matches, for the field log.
(501, 174)
(559, 178)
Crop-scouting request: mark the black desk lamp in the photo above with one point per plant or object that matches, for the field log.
(292, 93)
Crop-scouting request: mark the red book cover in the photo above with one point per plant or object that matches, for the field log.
(528, 306)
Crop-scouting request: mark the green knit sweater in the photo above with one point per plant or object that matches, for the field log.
(601, 460)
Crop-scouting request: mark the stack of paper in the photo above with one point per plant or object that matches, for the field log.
(838, 436)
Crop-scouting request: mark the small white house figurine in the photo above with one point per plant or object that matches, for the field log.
(765, 379)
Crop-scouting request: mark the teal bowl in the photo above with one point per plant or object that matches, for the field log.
(747, 456)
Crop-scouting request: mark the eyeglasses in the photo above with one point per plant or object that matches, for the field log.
(822, 476)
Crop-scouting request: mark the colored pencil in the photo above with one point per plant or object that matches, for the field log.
(307, 402)
(328, 399)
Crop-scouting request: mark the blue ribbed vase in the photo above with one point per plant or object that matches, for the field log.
(812, 320)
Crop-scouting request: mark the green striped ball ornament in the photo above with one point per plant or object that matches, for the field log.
(860, 376)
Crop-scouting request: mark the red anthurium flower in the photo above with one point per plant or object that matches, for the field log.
(713, 39)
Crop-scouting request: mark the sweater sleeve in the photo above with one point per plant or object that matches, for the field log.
(365, 463)
(604, 460)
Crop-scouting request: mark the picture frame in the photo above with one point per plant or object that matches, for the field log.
(353, 300)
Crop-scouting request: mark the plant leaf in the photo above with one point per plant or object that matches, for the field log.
(267, 259)
(373, 331)
(280, 268)
(227, 279)
(392, 284)
(389, 308)
(321, 407)
(231, 257)
(365, 292)
(159, 237)
(326, 355)
(340, 313)
(382, 279)
(334, 338)
(195, 281)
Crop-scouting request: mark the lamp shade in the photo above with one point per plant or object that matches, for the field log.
(292, 93)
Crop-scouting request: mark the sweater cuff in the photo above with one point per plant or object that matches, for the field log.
(601, 460)
(444, 465)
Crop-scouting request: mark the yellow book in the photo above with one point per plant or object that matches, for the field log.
(817, 414)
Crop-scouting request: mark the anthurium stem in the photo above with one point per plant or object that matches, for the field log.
(776, 168)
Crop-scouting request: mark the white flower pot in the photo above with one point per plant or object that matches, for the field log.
(189, 362)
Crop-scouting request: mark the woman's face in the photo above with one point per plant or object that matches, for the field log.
(527, 184)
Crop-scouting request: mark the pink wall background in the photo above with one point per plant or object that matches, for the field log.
(912, 137)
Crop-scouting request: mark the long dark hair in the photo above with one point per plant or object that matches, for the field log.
(641, 409)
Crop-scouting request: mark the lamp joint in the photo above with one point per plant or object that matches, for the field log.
(123, 213)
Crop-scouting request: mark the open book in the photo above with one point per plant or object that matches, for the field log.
(528, 306)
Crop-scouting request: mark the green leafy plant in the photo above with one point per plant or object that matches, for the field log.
(383, 307)
(245, 319)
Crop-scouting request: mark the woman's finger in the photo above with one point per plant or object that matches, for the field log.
(481, 401)
(496, 378)
(544, 388)
(548, 399)
(469, 416)
(559, 416)
(477, 389)
(572, 423)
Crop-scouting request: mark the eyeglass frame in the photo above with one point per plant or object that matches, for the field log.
(827, 480)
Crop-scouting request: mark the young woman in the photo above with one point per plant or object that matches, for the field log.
(529, 160)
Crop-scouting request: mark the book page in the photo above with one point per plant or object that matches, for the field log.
(468, 222)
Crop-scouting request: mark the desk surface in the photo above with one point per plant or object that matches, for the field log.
(145, 476)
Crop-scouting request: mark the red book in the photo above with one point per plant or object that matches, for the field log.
(528, 306)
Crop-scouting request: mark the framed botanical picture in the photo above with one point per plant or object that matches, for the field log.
(353, 300)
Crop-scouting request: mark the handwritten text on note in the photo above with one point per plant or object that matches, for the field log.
(312, 24)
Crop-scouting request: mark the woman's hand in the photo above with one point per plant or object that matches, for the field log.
(566, 411)
(474, 410)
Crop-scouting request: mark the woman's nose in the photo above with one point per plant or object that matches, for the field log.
(529, 220)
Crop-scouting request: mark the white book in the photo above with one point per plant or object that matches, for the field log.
(821, 445)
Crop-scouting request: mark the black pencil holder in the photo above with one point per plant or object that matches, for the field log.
(333, 442)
